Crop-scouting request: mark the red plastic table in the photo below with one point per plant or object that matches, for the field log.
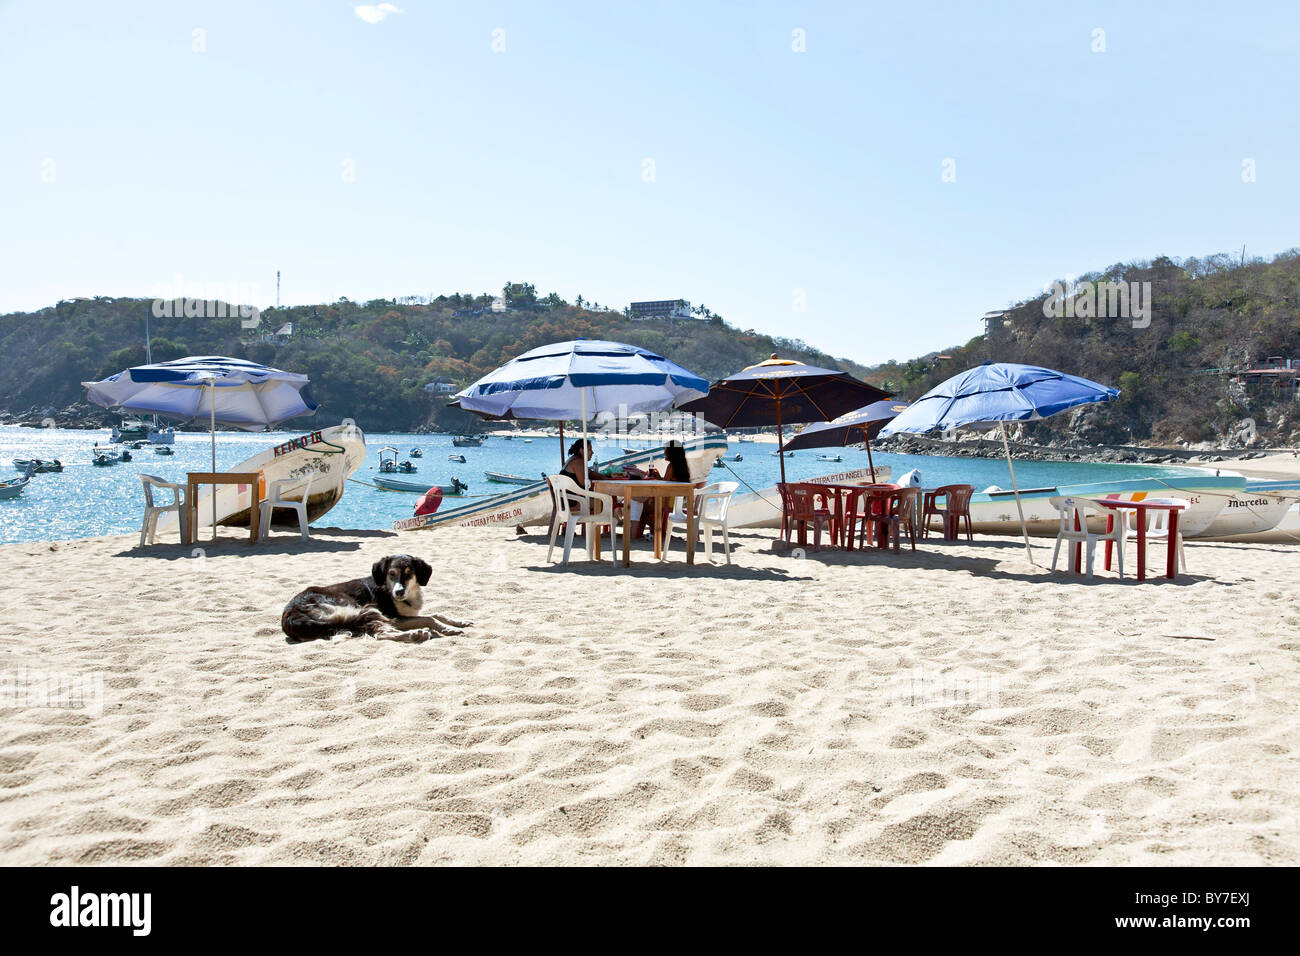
(1142, 507)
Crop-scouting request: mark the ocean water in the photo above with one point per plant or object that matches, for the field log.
(85, 501)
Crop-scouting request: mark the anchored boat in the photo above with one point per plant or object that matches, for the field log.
(453, 490)
(530, 505)
(38, 465)
(503, 479)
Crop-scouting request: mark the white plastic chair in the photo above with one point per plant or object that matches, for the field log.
(711, 504)
(573, 507)
(1158, 527)
(1074, 513)
(149, 529)
(275, 499)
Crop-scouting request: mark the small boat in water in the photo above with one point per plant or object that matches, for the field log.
(389, 465)
(108, 456)
(830, 457)
(131, 429)
(464, 441)
(163, 450)
(416, 453)
(737, 457)
(13, 487)
(38, 465)
(453, 490)
(503, 479)
(459, 458)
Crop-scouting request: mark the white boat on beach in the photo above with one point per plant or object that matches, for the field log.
(1257, 514)
(994, 512)
(333, 454)
(530, 505)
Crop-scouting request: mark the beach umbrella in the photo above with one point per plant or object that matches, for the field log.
(780, 391)
(579, 379)
(227, 391)
(992, 394)
(859, 425)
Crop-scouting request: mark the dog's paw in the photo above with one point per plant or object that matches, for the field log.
(452, 622)
(418, 636)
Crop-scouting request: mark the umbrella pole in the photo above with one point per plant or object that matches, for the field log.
(780, 439)
(1024, 530)
(870, 463)
(586, 479)
(212, 408)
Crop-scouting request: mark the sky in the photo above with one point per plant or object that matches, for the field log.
(868, 177)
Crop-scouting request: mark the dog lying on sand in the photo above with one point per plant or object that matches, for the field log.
(385, 605)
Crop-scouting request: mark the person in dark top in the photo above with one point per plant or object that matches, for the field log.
(676, 469)
(573, 467)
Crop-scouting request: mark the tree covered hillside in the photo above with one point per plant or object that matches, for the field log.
(367, 361)
(1210, 318)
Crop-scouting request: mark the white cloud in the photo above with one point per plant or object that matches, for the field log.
(373, 13)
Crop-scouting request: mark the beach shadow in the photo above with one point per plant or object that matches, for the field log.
(287, 545)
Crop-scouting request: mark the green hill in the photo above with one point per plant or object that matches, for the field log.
(367, 361)
(1178, 375)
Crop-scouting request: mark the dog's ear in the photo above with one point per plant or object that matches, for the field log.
(422, 571)
(379, 570)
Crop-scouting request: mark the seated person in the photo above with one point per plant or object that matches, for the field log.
(574, 466)
(676, 470)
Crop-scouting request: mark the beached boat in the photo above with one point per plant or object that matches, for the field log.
(466, 442)
(1254, 513)
(762, 508)
(332, 454)
(503, 479)
(39, 466)
(994, 512)
(453, 490)
(530, 505)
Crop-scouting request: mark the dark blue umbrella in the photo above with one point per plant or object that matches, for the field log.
(859, 425)
(991, 395)
(781, 391)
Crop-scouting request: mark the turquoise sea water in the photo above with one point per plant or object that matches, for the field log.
(85, 501)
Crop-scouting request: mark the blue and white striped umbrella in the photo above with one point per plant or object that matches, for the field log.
(579, 379)
(226, 391)
(231, 391)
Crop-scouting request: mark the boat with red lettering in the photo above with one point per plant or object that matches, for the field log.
(332, 454)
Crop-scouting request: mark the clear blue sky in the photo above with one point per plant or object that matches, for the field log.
(774, 170)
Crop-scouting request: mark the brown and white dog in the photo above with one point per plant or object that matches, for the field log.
(385, 605)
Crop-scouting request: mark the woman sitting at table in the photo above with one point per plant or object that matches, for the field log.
(578, 467)
(677, 470)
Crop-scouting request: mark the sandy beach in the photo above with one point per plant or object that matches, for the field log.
(948, 706)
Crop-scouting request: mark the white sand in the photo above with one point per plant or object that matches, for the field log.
(953, 706)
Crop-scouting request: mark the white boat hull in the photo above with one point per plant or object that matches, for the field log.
(762, 509)
(530, 505)
(294, 459)
(1253, 514)
(996, 513)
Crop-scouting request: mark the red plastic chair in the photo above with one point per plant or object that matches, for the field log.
(956, 505)
(870, 508)
(799, 509)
